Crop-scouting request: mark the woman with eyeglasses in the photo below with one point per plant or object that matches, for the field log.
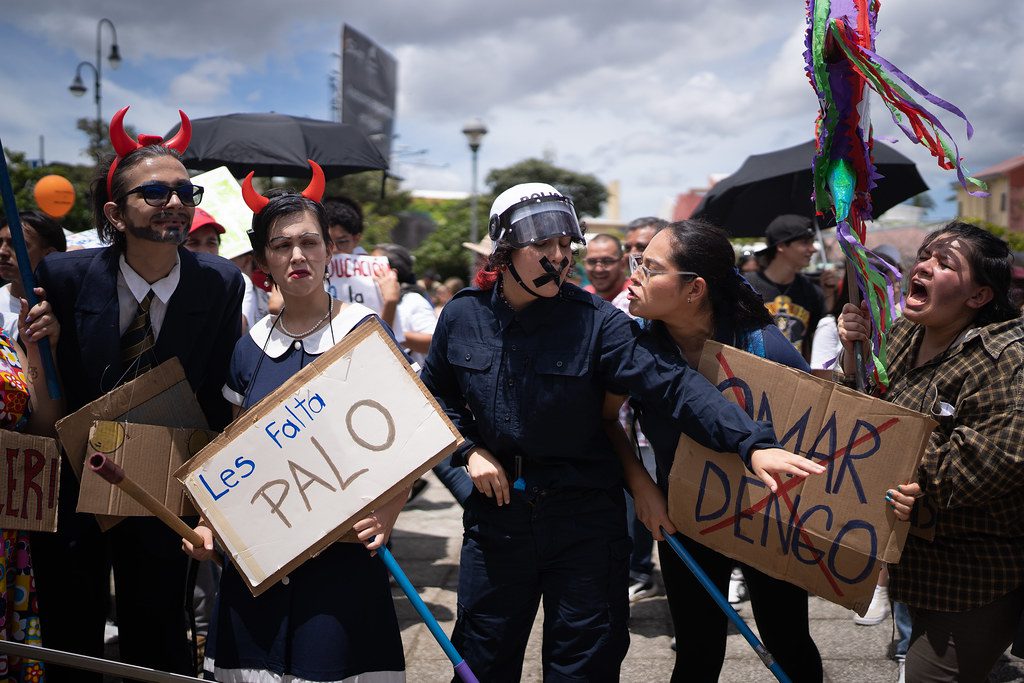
(687, 288)
(522, 364)
(332, 619)
(124, 309)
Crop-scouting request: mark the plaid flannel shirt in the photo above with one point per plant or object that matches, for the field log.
(972, 473)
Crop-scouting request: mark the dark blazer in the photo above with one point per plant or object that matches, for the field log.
(202, 324)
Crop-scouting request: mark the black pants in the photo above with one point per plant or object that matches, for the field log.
(780, 611)
(72, 569)
(962, 646)
(567, 547)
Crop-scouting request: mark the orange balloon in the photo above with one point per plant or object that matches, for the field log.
(55, 195)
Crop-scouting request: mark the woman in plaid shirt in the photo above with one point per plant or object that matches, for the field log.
(958, 354)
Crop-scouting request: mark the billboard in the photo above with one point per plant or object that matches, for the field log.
(369, 81)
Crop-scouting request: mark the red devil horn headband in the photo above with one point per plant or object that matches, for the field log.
(314, 191)
(124, 145)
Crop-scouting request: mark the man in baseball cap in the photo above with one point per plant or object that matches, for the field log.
(791, 297)
(204, 235)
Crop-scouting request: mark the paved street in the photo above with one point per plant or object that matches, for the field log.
(427, 543)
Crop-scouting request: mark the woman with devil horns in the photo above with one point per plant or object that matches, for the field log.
(124, 309)
(332, 619)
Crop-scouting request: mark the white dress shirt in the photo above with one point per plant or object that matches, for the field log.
(131, 289)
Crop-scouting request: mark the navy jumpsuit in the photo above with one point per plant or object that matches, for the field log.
(529, 387)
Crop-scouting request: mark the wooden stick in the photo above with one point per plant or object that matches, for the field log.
(115, 474)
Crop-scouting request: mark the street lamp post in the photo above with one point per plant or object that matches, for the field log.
(78, 88)
(474, 130)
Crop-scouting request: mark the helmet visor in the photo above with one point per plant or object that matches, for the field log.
(533, 221)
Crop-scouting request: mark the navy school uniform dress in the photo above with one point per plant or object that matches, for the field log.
(529, 387)
(333, 619)
(780, 608)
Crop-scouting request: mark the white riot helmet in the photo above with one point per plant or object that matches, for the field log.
(531, 212)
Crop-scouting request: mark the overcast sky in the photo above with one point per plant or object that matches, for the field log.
(656, 94)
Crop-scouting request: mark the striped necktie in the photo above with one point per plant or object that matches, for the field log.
(137, 341)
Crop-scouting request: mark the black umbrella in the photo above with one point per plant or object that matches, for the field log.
(776, 183)
(279, 145)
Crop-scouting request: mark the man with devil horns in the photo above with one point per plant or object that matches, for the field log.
(124, 309)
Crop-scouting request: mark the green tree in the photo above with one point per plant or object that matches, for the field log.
(442, 250)
(99, 148)
(24, 177)
(587, 192)
(1014, 239)
(380, 213)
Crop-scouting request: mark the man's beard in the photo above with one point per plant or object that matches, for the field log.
(172, 236)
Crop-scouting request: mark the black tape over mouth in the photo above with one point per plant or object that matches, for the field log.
(551, 273)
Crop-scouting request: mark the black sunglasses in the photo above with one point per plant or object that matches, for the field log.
(158, 194)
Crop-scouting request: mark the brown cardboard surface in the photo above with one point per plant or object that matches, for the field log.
(29, 481)
(161, 396)
(149, 455)
(827, 533)
(270, 520)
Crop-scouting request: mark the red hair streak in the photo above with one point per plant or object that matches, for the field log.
(486, 279)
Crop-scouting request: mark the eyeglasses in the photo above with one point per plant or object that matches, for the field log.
(606, 262)
(646, 273)
(158, 194)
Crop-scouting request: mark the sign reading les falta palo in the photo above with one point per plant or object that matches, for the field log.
(291, 475)
(827, 533)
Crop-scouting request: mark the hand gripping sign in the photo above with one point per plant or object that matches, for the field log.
(827, 533)
(291, 475)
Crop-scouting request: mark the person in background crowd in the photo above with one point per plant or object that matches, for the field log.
(604, 268)
(334, 618)
(794, 301)
(204, 235)
(419, 321)
(957, 354)
(640, 232)
(481, 252)
(747, 262)
(25, 405)
(42, 236)
(445, 291)
(345, 223)
(522, 365)
(124, 309)
(256, 300)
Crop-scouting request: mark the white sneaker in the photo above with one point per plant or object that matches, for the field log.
(878, 610)
(903, 672)
(638, 590)
(737, 587)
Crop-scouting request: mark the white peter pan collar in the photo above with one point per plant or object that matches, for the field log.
(275, 343)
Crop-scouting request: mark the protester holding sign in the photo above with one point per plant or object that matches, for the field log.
(958, 355)
(333, 617)
(24, 406)
(686, 284)
(522, 364)
(124, 309)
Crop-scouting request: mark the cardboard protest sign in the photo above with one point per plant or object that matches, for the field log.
(161, 396)
(149, 455)
(29, 482)
(290, 476)
(222, 199)
(827, 533)
(351, 279)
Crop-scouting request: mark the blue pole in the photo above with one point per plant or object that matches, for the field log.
(28, 281)
(462, 669)
(723, 604)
